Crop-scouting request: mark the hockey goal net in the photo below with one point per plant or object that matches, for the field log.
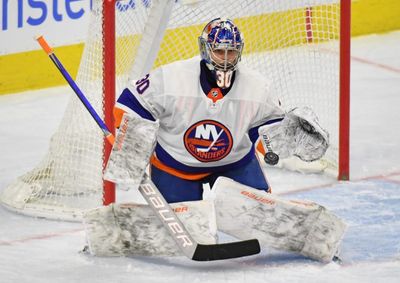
(302, 46)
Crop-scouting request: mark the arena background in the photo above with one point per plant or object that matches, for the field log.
(64, 22)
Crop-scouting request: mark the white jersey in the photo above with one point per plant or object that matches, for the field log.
(202, 132)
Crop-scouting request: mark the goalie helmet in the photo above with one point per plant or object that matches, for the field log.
(221, 45)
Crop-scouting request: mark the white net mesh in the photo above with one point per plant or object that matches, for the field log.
(293, 43)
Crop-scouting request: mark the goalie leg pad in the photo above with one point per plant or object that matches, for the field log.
(130, 155)
(297, 226)
(134, 229)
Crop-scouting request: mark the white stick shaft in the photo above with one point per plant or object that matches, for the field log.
(167, 216)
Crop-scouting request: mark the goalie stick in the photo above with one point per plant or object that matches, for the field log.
(156, 201)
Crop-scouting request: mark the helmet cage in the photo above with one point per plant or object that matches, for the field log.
(224, 57)
(221, 45)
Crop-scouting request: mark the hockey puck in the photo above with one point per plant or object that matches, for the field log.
(271, 158)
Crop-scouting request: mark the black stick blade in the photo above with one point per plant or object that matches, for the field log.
(226, 250)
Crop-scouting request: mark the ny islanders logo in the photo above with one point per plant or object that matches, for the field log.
(208, 141)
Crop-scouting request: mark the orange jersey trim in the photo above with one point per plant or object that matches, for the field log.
(118, 113)
(180, 174)
(260, 148)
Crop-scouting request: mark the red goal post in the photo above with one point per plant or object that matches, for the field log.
(344, 112)
(108, 87)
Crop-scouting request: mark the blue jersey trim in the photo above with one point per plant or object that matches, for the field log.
(129, 100)
(168, 160)
(253, 132)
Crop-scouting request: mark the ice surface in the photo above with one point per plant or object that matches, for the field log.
(36, 250)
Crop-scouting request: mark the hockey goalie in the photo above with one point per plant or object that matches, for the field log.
(197, 122)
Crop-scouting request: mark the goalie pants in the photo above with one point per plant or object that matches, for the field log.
(175, 189)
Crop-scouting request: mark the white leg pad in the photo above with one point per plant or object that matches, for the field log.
(134, 229)
(298, 226)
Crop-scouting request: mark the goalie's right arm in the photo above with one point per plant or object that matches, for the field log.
(298, 134)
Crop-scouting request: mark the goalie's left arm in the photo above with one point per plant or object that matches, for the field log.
(298, 134)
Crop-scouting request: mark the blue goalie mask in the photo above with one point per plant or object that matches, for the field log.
(221, 45)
